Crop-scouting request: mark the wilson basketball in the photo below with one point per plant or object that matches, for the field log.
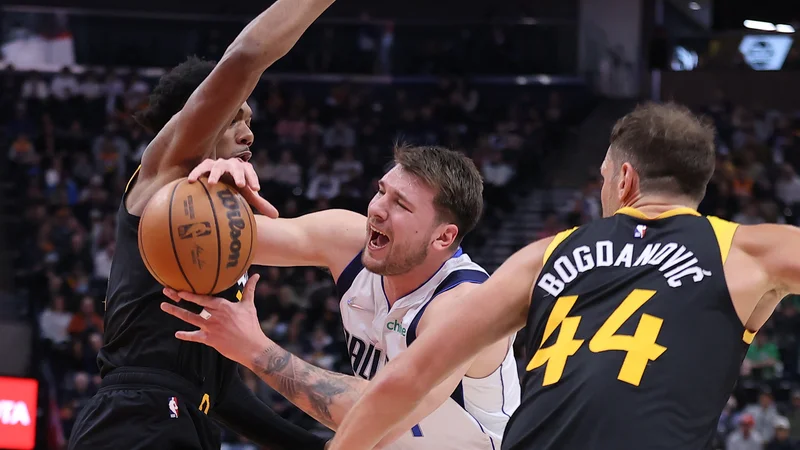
(197, 237)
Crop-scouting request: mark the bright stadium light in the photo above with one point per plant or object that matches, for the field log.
(694, 6)
(783, 28)
(759, 25)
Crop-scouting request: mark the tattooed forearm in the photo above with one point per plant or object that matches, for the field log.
(326, 396)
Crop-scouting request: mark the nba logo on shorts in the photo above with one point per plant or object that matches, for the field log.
(640, 231)
(173, 407)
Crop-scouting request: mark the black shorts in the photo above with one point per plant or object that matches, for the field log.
(144, 409)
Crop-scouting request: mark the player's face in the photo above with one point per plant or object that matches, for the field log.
(236, 139)
(402, 223)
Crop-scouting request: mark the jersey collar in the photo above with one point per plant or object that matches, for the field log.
(633, 212)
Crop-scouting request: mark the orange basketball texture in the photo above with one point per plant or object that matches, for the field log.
(197, 237)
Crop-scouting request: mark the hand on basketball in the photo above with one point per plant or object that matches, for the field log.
(243, 175)
(231, 328)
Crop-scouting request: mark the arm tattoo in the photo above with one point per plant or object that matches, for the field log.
(327, 396)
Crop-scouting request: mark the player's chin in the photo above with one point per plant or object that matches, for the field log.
(374, 260)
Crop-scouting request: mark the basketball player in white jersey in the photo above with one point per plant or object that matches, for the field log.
(398, 271)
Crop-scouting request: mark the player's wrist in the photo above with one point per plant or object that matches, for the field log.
(256, 353)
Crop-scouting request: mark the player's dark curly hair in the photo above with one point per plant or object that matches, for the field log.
(172, 91)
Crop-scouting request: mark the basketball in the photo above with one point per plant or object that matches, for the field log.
(197, 237)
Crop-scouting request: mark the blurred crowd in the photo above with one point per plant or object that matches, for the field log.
(70, 146)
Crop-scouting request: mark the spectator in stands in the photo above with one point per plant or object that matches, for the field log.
(764, 414)
(782, 439)
(745, 437)
(793, 414)
(787, 187)
(340, 135)
(86, 321)
(55, 320)
(763, 358)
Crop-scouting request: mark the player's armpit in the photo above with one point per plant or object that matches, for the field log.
(217, 100)
(329, 238)
(775, 249)
(491, 311)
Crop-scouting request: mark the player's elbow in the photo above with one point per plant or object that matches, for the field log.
(401, 387)
(254, 54)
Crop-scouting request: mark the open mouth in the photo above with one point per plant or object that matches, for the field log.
(377, 239)
(245, 156)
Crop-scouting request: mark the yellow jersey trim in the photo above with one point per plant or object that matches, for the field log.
(558, 239)
(633, 212)
(204, 404)
(748, 336)
(136, 172)
(724, 231)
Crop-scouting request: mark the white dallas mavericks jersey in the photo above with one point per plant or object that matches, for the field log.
(475, 416)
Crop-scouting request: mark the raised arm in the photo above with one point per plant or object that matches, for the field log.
(329, 239)
(185, 140)
(492, 311)
(762, 269)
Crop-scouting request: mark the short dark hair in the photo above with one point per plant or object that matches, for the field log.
(458, 183)
(172, 91)
(671, 148)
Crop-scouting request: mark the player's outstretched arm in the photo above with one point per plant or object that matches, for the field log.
(762, 269)
(490, 312)
(329, 239)
(775, 247)
(234, 331)
(217, 100)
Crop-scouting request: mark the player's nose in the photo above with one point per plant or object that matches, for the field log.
(245, 137)
(376, 209)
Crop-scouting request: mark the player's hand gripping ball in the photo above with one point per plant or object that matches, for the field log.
(197, 237)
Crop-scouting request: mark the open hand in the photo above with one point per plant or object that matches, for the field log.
(231, 328)
(243, 175)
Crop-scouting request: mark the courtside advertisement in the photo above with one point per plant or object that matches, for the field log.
(17, 413)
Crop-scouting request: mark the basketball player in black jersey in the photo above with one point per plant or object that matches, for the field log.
(158, 392)
(637, 324)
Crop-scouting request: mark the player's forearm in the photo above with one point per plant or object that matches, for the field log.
(381, 409)
(275, 31)
(324, 395)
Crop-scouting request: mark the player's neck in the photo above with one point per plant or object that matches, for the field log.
(398, 286)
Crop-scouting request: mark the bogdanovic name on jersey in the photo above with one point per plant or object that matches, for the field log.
(675, 261)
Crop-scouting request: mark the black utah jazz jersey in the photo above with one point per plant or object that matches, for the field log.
(139, 334)
(633, 342)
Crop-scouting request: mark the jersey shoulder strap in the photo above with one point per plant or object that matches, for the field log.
(557, 240)
(136, 172)
(724, 231)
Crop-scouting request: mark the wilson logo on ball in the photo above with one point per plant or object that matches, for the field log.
(235, 224)
(194, 230)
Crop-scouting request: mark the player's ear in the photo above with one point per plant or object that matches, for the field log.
(628, 182)
(250, 288)
(448, 233)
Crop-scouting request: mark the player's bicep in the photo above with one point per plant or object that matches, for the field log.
(774, 247)
(328, 238)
